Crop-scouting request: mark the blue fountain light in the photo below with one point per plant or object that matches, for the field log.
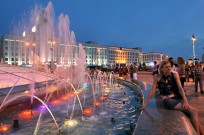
(85, 86)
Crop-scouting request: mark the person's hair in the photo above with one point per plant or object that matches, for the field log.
(171, 58)
(161, 65)
(197, 63)
(180, 60)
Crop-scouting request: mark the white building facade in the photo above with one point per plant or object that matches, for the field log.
(16, 50)
(96, 54)
(110, 56)
(150, 57)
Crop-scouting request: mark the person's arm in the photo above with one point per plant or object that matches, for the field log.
(152, 91)
(181, 90)
(183, 69)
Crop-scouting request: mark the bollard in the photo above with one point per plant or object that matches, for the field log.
(15, 123)
(112, 120)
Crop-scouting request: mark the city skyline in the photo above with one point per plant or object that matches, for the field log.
(159, 26)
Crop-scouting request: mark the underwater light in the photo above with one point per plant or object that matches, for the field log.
(70, 95)
(27, 114)
(55, 102)
(4, 128)
(52, 88)
(97, 104)
(42, 107)
(70, 123)
(107, 90)
(77, 92)
(88, 111)
(85, 86)
(65, 97)
(26, 91)
(103, 98)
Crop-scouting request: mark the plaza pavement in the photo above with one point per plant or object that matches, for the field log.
(195, 101)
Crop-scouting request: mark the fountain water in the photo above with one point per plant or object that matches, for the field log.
(64, 91)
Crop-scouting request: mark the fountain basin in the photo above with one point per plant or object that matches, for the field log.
(112, 116)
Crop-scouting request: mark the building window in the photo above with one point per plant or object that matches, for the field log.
(6, 42)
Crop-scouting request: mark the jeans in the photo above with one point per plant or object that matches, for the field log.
(198, 79)
(182, 79)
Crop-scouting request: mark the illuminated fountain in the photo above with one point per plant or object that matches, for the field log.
(63, 98)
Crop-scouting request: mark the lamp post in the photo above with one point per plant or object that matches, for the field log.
(52, 43)
(194, 55)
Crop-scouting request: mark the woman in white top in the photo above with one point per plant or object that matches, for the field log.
(181, 70)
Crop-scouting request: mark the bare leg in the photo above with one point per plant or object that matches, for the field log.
(193, 115)
(201, 129)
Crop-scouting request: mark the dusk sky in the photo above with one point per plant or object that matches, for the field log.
(154, 25)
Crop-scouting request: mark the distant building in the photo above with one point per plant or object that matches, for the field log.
(165, 57)
(110, 56)
(16, 50)
(123, 55)
(96, 54)
(150, 57)
(1, 50)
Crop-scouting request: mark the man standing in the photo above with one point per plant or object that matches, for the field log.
(133, 72)
(198, 77)
(171, 60)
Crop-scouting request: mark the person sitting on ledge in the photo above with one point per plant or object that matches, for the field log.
(172, 94)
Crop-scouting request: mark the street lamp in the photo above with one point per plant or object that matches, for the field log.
(193, 40)
(52, 43)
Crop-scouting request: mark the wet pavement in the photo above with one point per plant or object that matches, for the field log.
(194, 100)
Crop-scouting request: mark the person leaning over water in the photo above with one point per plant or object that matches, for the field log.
(172, 94)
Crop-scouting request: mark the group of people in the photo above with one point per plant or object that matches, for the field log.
(169, 79)
(127, 72)
(184, 71)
